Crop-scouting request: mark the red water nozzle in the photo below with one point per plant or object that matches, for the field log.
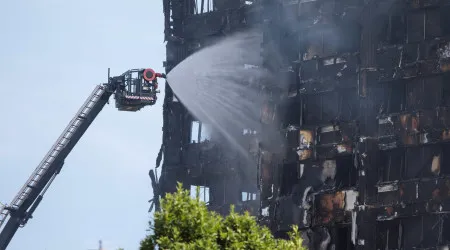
(149, 74)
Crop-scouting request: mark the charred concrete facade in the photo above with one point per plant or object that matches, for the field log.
(362, 100)
(188, 153)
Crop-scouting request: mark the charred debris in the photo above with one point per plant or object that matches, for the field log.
(362, 100)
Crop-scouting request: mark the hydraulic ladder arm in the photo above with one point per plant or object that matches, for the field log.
(133, 90)
(29, 197)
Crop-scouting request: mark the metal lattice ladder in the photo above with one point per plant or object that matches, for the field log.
(3, 214)
(62, 141)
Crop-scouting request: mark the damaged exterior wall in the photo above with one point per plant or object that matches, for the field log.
(188, 153)
(363, 104)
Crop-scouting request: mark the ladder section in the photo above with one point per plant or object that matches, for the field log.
(55, 150)
(3, 214)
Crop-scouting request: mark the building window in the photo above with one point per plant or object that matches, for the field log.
(247, 131)
(203, 193)
(203, 6)
(200, 132)
(246, 196)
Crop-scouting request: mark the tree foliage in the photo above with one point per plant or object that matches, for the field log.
(186, 224)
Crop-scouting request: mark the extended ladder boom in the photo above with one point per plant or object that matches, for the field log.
(28, 198)
(133, 90)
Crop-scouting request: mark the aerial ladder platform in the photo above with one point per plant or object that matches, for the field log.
(132, 91)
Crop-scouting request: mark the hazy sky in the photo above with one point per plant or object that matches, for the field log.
(52, 54)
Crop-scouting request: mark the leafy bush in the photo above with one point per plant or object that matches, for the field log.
(186, 224)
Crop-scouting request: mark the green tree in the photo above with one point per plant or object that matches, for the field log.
(186, 224)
